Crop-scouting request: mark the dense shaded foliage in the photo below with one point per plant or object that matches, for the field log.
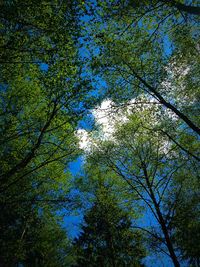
(40, 98)
(107, 238)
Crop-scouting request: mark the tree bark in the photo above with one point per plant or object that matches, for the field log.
(27, 159)
(193, 10)
(161, 220)
(167, 104)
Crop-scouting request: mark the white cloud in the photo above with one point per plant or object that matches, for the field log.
(173, 87)
(84, 139)
(109, 115)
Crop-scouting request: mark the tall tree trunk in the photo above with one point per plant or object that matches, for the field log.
(161, 220)
(168, 105)
(194, 10)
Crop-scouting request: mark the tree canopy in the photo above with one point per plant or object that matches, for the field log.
(114, 84)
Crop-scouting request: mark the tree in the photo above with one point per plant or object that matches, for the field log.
(137, 43)
(148, 49)
(40, 95)
(149, 163)
(185, 222)
(191, 9)
(107, 238)
(33, 240)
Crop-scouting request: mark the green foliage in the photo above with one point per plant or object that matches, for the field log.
(145, 51)
(149, 163)
(33, 240)
(139, 45)
(39, 111)
(185, 223)
(107, 238)
(150, 48)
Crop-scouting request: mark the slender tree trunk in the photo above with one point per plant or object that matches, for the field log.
(168, 105)
(28, 158)
(161, 220)
(111, 248)
(194, 10)
(166, 235)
